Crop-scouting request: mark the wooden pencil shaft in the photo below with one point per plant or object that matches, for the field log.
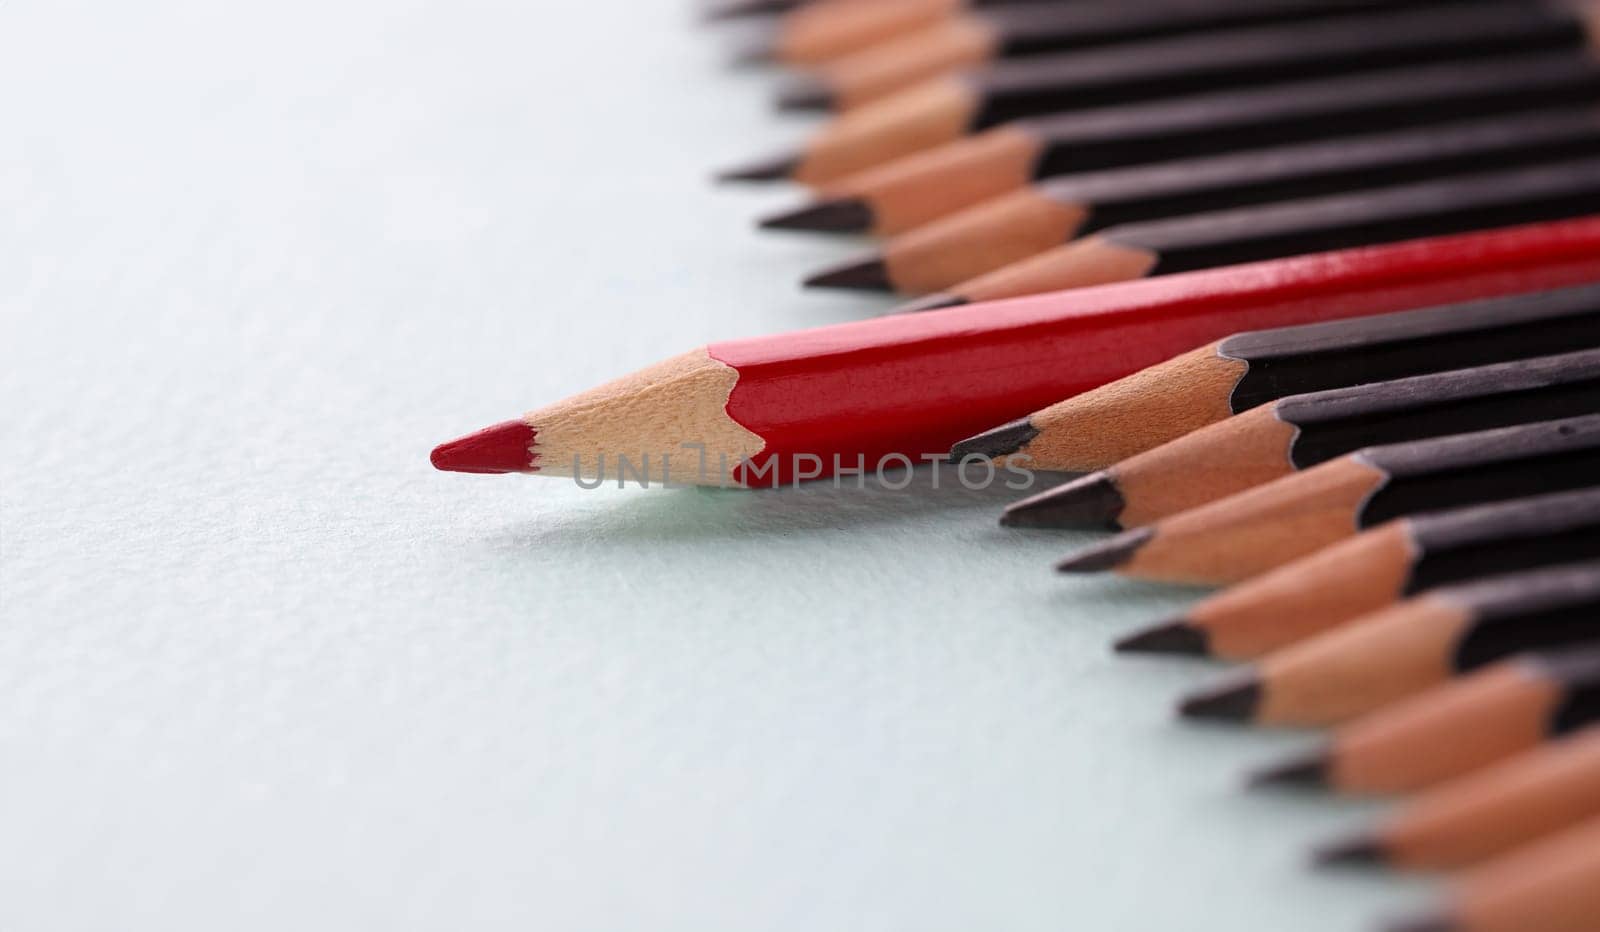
(1030, 86)
(1317, 357)
(1164, 190)
(1479, 201)
(1307, 110)
(1339, 421)
(1498, 809)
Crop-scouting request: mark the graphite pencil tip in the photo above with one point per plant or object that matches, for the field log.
(836, 215)
(775, 168)
(1091, 501)
(1309, 770)
(505, 447)
(868, 274)
(758, 47)
(805, 92)
(1361, 849)
(937, 301)
(1234, 700)
(1106, 555)
(1004, 440)
(1435, 923)
(1171, 637)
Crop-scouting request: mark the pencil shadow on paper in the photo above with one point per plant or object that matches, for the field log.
(908, 498)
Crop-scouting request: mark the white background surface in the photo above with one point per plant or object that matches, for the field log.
(262, 668)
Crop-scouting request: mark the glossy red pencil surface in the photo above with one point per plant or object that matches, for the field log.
(914, 384)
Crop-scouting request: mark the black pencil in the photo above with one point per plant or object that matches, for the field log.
(1301, 431)
(923, 187)
(1408, 647)
(944, 109)
(1477, 201)
(1249, 533)
(1015, 226)
(1098, 428)
(979, 36)
(1497, 712)
(1377, 568)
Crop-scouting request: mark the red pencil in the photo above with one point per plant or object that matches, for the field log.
(882, 393)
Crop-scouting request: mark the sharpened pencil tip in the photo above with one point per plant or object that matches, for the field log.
(1001, 441)
(758, 47)
(1433, 923)
(505, 447)
(1310, 770)
(775, 168)
(868, 274)
(1091, 501)
(1107, 555)
(937, 301)
(1172, 637)
(804, 92)
(717, 12)
(1360, 850)
(1233, 700)
(838, 215)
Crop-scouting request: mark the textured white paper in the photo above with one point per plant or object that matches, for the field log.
(262, 668)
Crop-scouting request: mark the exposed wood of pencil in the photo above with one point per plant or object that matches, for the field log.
(1444, 733)
(1245, 534)
(1167, 401)
(1551, 885)
(1488, 813)
(922, 116)
(1378, 567)
(1013, 227)
(1336, 675)
(1408, 647)
(931, 184)
(911, 191)
(1249, 234)
(967, 243)
(1315, 593)
(912, 386)
(1253, 531)
(1292, 433)
(877, 71)
(827, 29)
(910, 121)
(1111, 423)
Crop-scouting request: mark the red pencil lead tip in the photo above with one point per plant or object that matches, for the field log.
(505, 447)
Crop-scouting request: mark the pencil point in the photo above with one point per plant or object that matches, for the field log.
(869, 274)
(1172, 637)
(759, 47)
(1360, 850)
(1092, 501)
(838, 215)
(1310, 770)
(804, 92)
(934, 302)
(505, 447)
(1434, 923)
(1001, 441)
(772, 169)
(1106, 555)
(1234, 700)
